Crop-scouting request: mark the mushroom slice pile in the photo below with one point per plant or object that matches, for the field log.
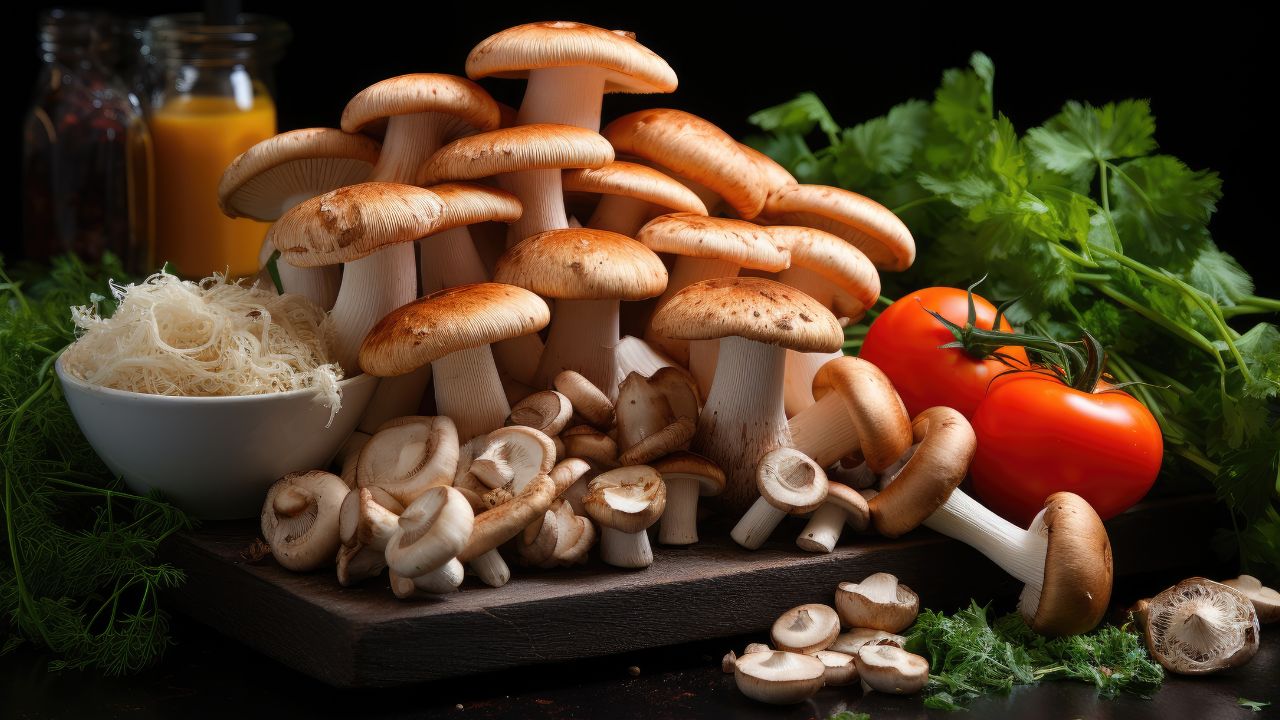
(625, 502)
(1199, 626)
(408, 455)
(806, 629)
(879, 603)
(778, 677)
(300, 519)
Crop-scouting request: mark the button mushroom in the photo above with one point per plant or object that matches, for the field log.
(687, 476)
(1064, 557)
(789, 483)
(513, 457)
(879, 602)
(857, 410)
(547, 411)
(1199, 626)
(891, 670)
(1266, 601)
(806, 629)
(625, 502)
(589, 401)
(778, 677)
(300, 519)
(366, 521)
(587, 443)
(409, 455)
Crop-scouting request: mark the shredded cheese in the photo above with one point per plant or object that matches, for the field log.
(208, 339)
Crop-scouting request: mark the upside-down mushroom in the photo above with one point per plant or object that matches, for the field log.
(1199, 626)
(790, 484)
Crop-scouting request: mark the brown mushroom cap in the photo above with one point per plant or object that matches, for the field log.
(300, 519)
(583, 264)
(947, 444)
(806, 629)
(875, 410)
(870, 226)
(695, 149)
(354, 221)
(262, 181)
(778, 677)
(848, 270)
(433, 529)
(791, 481)
(588, 443)
(745, 244)
(630, 67)
(548, 411)
(628, 499)
(500, 524)
(751, 308)
(1199, 626)
(540, 146)
(459, 98)
(449, 320)
(709, 476)
(772, 174)
(892, 670)
(1266, 601)
(638, 182)
(588, 400)
(879, 602)
(1077, 568)
(852, 502)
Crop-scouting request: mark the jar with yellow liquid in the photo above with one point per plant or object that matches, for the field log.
(213, 102)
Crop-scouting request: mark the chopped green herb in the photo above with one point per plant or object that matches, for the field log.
(1254, 705)
(849, 715)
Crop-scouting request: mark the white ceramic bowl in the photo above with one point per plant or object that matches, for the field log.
(214, 457)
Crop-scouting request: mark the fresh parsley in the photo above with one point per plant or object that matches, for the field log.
(1254, 705)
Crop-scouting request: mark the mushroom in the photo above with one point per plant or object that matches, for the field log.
(588, 272)
(589, 401)
(432, 530)
(300, 519)
(635, 355)
(648, 426)
(571, 476)
(755, 648)
(687, 476)
(625, 502)
(841, 668)
(842, 505)
(547, 411)
(444, 579)
(891, 670)
(758, 320)
(789, 483)
(500, 524)
(773, 176)
(865, 223)
(857, 410)
(587, 443)
(349, 456)
(878, 603)
(1266, 601)
(729, 662)
(366, 521)
(570, 66)
(1199, 626)
(806, 629)
(409, 455)
(631, 194)
(577, 537)
(851, 642)
(536, 544)
(513, 457)
(1064, 557)
(706, 248)
(452, 330)
(268, 179)
(778, 677)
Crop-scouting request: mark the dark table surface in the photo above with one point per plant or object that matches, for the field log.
(207, 675)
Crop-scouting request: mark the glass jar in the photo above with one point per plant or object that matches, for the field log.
(86, 160)
(212, 102)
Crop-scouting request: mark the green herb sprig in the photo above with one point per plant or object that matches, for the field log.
(1092, 228)
(970, 656)
(78, 572)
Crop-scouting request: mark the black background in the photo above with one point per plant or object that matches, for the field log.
(1207, 73)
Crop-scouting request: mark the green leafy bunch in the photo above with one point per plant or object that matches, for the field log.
(78, 568)
(1084, 221)
(970, 656)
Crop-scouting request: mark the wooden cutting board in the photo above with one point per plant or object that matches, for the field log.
(364, 636)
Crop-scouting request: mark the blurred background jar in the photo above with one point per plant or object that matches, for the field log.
(212, 101)
(87, 155)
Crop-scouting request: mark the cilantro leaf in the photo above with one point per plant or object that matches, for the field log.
(1162, 209)
(964, 103)
(1076, 140)
(791, 151)
(1218, 274)
(880, 146)
(799, 116)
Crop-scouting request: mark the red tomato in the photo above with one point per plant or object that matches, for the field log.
(1037, 436)
(903, 342)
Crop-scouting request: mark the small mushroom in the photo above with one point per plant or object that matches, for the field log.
(409, 455)
(589, 401)
(841, 668)
(571, 476)
(891, 670)
(433, 529)
(1199, 626)
(587, 443)
(513, 456)
(577, 541)
(857, 410)
(789, 483)
(648, 427)
(359, 563)
(1266, 601)
(547, 411)
(879, 602)
(851, 642)
(625, 502)
(806, 629)
(300, 519)
(778, 677)
(843, 505)
(687, 476)
(536, 544)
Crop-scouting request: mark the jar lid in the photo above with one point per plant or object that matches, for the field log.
(187, 36)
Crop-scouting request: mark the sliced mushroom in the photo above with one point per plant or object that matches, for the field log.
(778, 677)
(1199, 626)
(891, 670)
(789, 483)
(625, 502)
(806, 629)
(1266, 601)
(407, 456)
(300, 519)
(879, 602)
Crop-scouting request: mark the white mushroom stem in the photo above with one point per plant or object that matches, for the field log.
(583, 336)
(318, 284)
(469, 392)
(491, 569)
(823, 431)
(620, 214)
(743, 417)
(449, 259)
(801, 369)
(679, 524)
(1021, 553)
(757, 524)
(541, 194)
(624, 549)
(823, 529)
(564, 95)
(635, 355)
(443, 579)
(704, 355)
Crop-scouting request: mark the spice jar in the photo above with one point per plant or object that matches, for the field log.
(86, 160)
(213, 102)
